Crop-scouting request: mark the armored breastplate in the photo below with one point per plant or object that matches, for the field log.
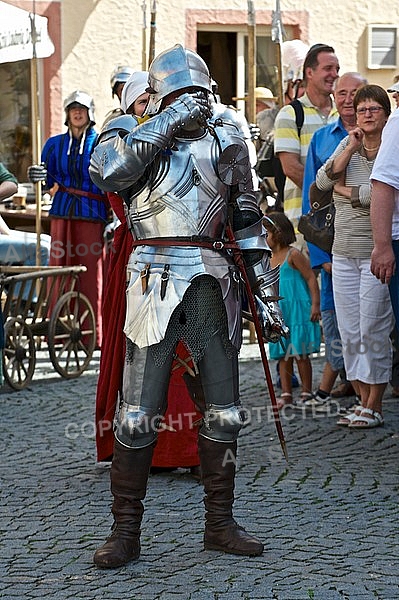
(185, 200)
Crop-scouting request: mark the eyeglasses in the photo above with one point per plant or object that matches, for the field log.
(371, 109)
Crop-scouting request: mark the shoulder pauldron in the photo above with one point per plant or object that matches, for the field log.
(233, 165)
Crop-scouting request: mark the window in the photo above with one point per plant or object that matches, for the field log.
(15, 118)
(266, 63)
(382, 47)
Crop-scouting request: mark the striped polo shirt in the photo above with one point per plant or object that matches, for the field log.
(286, 140)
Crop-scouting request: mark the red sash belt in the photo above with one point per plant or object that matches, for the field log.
(77, 192)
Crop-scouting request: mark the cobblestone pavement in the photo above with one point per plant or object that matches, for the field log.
(329, 518)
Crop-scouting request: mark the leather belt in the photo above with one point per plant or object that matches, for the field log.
(197, 241)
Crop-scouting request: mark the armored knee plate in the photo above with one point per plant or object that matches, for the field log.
(222, 423)
(136, 426)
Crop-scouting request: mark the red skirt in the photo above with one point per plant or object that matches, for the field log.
(177, 444)
(79, 242)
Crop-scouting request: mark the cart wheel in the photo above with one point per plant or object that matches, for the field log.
(71, 335)
(19, 355)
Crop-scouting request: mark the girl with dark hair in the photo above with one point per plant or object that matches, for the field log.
(300, 305)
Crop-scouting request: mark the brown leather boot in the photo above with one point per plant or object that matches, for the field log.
(129, 476)
(218, 466)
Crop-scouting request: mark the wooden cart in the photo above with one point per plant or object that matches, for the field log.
(43, 306)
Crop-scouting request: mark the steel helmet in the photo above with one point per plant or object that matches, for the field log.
(120, 74)
(173, 70)
(78, 97)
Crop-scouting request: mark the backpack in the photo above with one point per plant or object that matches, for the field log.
(268, 164)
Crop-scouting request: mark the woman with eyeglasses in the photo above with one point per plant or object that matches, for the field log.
(362, 302)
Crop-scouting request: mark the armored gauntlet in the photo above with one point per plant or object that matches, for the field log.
(188, 112)
(37, 173)
(266, 292)
(264, 280)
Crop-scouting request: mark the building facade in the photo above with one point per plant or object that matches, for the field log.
(91, 38)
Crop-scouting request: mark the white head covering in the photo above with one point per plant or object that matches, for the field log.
(134, 87)
(293, 55)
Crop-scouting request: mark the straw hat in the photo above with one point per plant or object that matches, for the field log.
(262, 93)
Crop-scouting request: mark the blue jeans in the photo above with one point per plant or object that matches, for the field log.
(332, 339)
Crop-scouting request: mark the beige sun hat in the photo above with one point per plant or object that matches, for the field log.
(262, 93)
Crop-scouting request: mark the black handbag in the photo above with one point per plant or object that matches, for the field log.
(317, 226)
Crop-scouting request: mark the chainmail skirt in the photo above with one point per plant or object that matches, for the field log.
(200, 315)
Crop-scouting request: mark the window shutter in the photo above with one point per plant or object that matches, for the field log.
(382, 47)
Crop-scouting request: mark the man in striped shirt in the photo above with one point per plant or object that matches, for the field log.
(320, 71)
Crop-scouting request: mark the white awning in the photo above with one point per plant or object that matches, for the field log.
(16, 26)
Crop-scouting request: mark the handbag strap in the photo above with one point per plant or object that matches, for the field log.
(319, 198)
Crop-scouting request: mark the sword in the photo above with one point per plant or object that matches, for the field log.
(239, 261)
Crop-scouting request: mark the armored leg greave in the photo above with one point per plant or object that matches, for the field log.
(129, 476)
(218, 466)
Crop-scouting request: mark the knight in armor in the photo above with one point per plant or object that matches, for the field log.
(185, 178)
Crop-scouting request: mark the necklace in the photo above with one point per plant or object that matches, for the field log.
(371, 149)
